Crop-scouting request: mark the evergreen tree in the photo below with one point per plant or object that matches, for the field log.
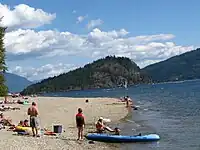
(3, 68)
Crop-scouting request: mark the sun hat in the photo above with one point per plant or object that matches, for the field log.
(100, 118)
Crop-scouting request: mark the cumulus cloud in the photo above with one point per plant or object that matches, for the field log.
(81, 19)
(22, 42)
(142, 49)
(24, 16)
(94, 23)
(42, 72)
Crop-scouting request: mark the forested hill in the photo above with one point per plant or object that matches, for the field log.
(107, 72)
(182, 67)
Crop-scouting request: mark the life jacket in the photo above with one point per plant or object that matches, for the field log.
(79, 119)
(99, 126)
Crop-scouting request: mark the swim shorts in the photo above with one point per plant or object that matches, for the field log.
(34, 122)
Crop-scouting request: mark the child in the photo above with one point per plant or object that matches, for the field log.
(80, 123)
(117, 131)
(26, 123)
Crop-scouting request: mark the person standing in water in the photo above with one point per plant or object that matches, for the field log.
(33, 113)
(80, 123)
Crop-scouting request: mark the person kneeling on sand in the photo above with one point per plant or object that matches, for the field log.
(33, 112)
(80, 123)
(100, 127)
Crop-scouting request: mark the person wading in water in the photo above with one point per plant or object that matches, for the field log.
(33, 112)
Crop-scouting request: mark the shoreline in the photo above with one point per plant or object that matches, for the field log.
(120, 121)
(62, 110)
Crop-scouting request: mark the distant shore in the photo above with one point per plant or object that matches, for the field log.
(62, 110)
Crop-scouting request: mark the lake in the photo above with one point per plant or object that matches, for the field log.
(171, 110)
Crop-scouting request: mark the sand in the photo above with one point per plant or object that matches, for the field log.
(62, 110)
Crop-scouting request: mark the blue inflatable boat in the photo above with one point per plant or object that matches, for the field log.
(122, 138)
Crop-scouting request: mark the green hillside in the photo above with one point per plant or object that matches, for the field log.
(104, 73)
(182, 67)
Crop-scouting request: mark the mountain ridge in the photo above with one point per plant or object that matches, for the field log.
(185, 66)
(16, 83)
(106, 72)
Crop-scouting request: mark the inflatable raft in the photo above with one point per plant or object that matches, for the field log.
(122, 138)
(23, 128)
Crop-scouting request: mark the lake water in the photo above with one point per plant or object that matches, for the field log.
(171, 110)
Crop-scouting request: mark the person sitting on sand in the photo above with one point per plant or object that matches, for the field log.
(21, 123)
(101, 127)
(20, 102)
(2, 108)
(26, 123)
(80, 123)
(4, 121)
(33, 113)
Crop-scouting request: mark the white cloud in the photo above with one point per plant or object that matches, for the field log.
(24, 43)
(48, 70)
(81, 19)
(96, 44)
(94, 23)
(24, 16)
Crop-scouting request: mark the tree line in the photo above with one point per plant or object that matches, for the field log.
(106, 72)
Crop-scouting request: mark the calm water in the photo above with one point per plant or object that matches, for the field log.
(171, 110)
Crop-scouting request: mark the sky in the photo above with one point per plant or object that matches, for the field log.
(46, 38)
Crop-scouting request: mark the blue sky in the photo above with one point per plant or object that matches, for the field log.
(180, 19)
(137, 16)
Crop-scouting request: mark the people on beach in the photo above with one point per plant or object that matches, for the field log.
(23, 123)
(26, 123)
(80, 123)
(5, 121)
(129, 101)
(5, 108)
(117, 131)
(23, 102)
(100, 127)
(33, 113)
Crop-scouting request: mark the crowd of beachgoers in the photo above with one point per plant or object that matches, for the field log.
(33, 115)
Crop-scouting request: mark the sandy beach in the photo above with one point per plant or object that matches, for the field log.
(62, 110)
